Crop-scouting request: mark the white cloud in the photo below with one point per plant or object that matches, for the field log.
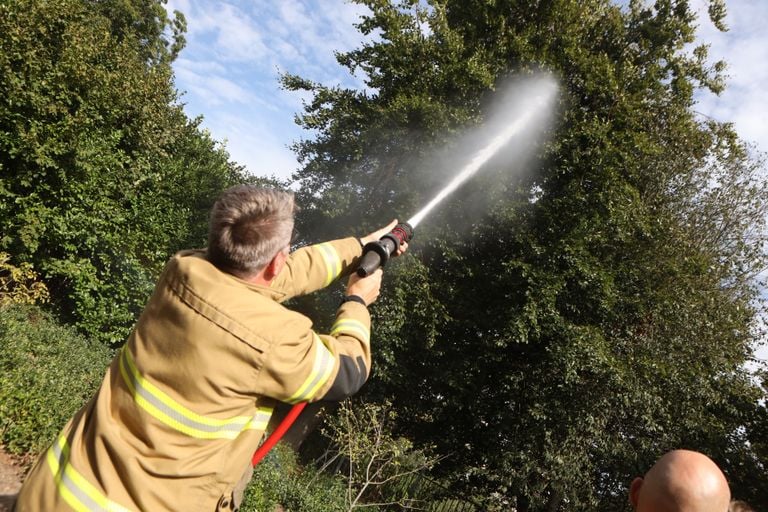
(745, 49)
(235, 52)
(212, 90)
(254, 144)
(233, 35)
(318, 31)
(238, 38)
(199, 67)
(294, 15)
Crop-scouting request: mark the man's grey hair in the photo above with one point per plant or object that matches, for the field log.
(248, 226)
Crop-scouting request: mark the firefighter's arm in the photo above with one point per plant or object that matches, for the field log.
(314, 267)
(333, 366)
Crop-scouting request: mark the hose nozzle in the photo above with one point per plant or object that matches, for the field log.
(376, 254)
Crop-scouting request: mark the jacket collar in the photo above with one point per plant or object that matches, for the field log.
(209, 270)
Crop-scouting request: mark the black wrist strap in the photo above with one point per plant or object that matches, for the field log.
(353, 298)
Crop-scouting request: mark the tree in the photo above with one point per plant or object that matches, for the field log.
(102, 176)
(602, 309)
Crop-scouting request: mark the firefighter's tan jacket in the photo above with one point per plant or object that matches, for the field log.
(186, 401)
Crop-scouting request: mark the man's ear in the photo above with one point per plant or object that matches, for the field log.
(634, 491)
(275, 266)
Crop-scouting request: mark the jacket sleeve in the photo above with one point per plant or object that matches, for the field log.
(316, 266)
(310, 366)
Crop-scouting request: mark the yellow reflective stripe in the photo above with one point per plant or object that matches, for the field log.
(78, 492)
(321, 371)
(163, 408)
(332, 261)
(350, 325)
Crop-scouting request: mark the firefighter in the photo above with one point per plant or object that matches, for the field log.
(186, 400)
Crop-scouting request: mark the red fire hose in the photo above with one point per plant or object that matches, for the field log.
(278, 433)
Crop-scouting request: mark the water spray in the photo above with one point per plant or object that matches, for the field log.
(376, 254)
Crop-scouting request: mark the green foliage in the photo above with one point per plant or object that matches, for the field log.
(102, 176)
(602, 310)
(148, 22)
(47, 372)
(19, 285)
(279, 480)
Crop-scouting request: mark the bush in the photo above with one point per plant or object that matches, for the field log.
(47, 372)
(280, 481)
(19, 284)
(379, 466)
(364, 465)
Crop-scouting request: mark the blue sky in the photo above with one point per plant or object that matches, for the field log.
(235, 52)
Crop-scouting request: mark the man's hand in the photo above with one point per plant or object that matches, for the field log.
(376, 235)
(367, 288)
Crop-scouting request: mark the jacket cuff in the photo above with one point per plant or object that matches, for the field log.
(353, 298)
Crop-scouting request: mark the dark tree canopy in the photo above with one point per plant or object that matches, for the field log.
(602, 309)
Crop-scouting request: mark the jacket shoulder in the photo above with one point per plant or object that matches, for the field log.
(247, 312)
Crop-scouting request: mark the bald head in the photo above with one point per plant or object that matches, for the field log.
(681, 481)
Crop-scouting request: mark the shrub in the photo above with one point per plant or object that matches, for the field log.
(47, 372)
(380, 467)
(19, 284)
(280, 481)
